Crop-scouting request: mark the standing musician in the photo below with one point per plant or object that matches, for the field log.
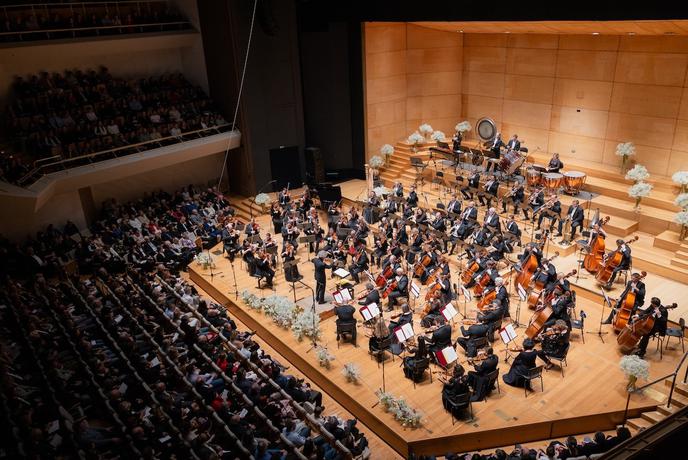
(456, 142)
(626, 260)
(555, 165)
(401, 289)
(372, 295)
(284, 198)
(553, 205)
(535, 201)
(320, 278)
(412, 198)
(554, 342)
(398, 190)
(634, 285)
(456, 386)
(490, 189)
(576, 216)
(661, 315)
(454, 206)
(523, 362)
(495, 148)
(478, 378)
(360, 263)
(276, 215)
(473, 184)
(471, 337)
(516, 195)
(291, 274)
(441, 336)
(369, 211)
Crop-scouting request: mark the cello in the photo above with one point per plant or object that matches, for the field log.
(538, 320)
(536, 291)
(470, 271)
(528, 266)
(534, 296)
(420, 268)
(613, 260)
(593, 259)
(382, 278)
(626, 309)
(633, 332)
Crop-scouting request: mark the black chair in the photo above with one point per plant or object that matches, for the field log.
(383, 345)
(561, 359)
(346, 329)
(258, 277)
(460, 402)
(480, 343)
(492, 380)
(532, 374)
(580, 324)
(676, 332)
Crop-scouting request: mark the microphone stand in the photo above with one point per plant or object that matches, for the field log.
(313, 339)
(599, 332)
(236, 287)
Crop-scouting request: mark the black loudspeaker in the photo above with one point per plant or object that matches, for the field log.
(315, 167)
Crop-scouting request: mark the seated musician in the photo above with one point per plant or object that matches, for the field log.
(391, 207)
(333, 213)
(576, 216)
(372, 295)
(495, 147)
(428, 268)
(492, 316)
(230, 242)
(596, 231)
(457, 385)
(446, 294)
(536, 200)
(502, 294)
(513, 232)
(248, 254)
(284, 197)
(360, 264)
(405, 317)
(481, 259)
(454, 235)
(401, 289)
(252, 228)
(560, 309)
(551, 211)
(420, 217)
(471, 336)
(469, 216)
(477, 379)
(432, 312)
(290, 234)
(491, 221)
(555, 165)
(416, 243)
(634, 285)
(454, 205)
(500, 246)
(546, 274)
(661, 315)
(380, 247)
(412, 198)
(489, 193)
(473, 184)
(516, 195)
(531, 248)
(263, 267)
(514, 143)
(412, 362)
(380, 332)
(441, 336)
(276, 215)
(438, 223)
(626, 260)
(554, 342)
(339, 256)
(523, 362)
(345, 317)
(369, 212)
(291, 274)
(398, 189)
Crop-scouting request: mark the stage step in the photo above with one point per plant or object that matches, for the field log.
(679, 400)
(680, 263)
(616, 189)
(653, 417)
(682, 255)
(680, 388)
(639, 423)
(668, 240)
(667, 411)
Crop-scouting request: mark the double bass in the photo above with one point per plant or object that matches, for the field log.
(538, 320)
(593, 259)
(604, 274)
(623, 315)
(536, 291)
(528, 266)
(422, 266)
(633, 332)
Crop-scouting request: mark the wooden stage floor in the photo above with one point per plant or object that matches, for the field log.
(589, 397)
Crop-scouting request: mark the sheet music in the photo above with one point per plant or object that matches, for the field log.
(408, 330)
(466, 293)
(521, 292)
(345, 294)
(415, 290)
(338, 296)
(507, 333)
(365, 312)
(449, 311)
(340, 272)
(449, 355)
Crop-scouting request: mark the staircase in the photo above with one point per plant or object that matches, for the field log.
(243, 206)
(679, 399)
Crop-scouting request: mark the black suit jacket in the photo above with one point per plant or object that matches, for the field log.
(639, 296)
(345, 314)
(372, 297)
(514, 144)
(488, 365)
(320, 267)
(441, 338)
(577, 216)
(475, 331)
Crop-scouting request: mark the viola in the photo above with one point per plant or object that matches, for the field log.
(623, 315)
(604, 274)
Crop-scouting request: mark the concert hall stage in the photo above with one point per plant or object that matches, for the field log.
(590, 396)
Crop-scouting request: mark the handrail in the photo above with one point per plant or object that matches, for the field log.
(671, 391)
(90, 156)
(101, 2)
(77, 29)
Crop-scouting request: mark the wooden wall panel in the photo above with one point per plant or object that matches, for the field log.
(433, 59)
(584, 94)
(386, 113)
(586, 65)
(484, 59)
(423, 38)
(527, 114)
(654, 44)
(482, 106)
(531, 138)
(681, 136)
(386, 89)
(683, 109)
(382, 36)
(678, 161)
(589, 42)
(574, 146)
(483, 84)
(472, 40)
(541, 41)
(433, 83)
(444, 124)
(641, 130)
(387, 64)
(652, 100)
(440, 106)
(651, 68)
(529, 88)
(528, 61)
(591, 123)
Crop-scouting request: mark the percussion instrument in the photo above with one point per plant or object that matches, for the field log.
(511, 161)
(573, 182)
(552, 181)
(533, 177)
(538, 167)
(486, 129)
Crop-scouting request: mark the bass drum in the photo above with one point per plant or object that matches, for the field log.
(486, 129)
(511, 161)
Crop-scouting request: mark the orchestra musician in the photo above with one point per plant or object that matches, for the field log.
(369, 211)
(411, 362)
(320, 278)
(491, 221)
(405, 317)
(372, 295)
(513, 232)
(561, 303)
(276, 215)
(554, 342)
(555, 165)
(380, 332)
(456, 141)
(333, 213)
(478, 378)
(360, 264)
(471, 337)
(454, 205)
(469, 216)
(495, 148)
(516, 195)
(473, 184)
(661, 315)
(380, 248)
(398, 190)
(432, 312)
(626, 260)
(457, 385)
(263, 269)
(284, 198)
(499, 246)
(535, 201)
(514, 143)
(252, 228)
(401, 289)
(412, 198)
(490, 189)
(523, 362)
(596, 230)
(290, 234)
(492, 316)
(441, 336)
(553, 205)
(420, 217)
(291, 274)
(345, 317)
(576, 216)
(635, 285)
(546, 274)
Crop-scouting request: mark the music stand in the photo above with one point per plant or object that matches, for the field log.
(307, 239)
(288, 265)
(605, 301)
(418, 164)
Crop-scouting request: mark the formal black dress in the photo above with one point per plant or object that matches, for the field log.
(520, 367)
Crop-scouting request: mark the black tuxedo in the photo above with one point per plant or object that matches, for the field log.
(441, 338)
(477, 379)
(470, 337)
(372, 297)
(345, 315)
(320, 278)
(400, 291)
(576, 216)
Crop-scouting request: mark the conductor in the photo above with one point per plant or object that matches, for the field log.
(320, 278)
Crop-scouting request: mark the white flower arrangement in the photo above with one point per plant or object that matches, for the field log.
(204, 259)
(463, 127)
(306, 324)
(437, 136)
(351, 372)
(403, 413)
(387, 150)
(280, 309)
(416, 138)
(682, 200)
(252, 300)
(680, 177)
(625, 149)
(681, 218)
(376, 162)
(639, 190)
(425, 129)
(638, 173)
(386, 400)
(324, 357)
(262, 198)
(634, 367)
(382, 190)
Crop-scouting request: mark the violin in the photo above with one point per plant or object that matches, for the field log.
(624, 312)
(613, 260)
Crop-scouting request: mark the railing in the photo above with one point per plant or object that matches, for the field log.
(671, 391)
(97, 29)
(65, 163)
